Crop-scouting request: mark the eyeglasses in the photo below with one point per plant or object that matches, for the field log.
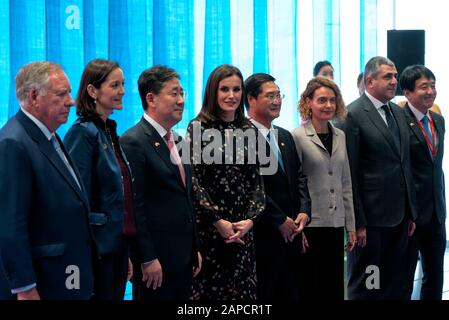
(274, 96)
(175, 94)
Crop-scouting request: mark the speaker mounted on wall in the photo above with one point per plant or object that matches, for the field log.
(404, 48)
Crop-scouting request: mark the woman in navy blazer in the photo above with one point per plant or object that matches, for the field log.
(322, 150)
(93, 144)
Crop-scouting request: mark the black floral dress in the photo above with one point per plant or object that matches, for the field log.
(228, 186)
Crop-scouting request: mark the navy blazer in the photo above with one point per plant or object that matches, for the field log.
(428, 174)
(91, 150)
(44, 228)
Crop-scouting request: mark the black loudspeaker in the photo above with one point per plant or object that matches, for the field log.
(404, 48)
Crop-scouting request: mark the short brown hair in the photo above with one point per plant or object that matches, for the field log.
(153, 80)
(95, 73)
(312, 86)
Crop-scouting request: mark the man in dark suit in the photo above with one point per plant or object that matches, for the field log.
(384, 200)
(426, 130)
(45, 240)
(168, 246)
(287, 197)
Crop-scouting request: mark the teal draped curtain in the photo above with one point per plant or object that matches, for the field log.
(368, 31)
(191, 36)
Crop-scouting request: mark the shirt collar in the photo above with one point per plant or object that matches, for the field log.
(418, 114)
(377, 103)
(162, 132)
(39, 124)
(262, 129)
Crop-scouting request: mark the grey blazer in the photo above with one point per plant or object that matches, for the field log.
(329, 178)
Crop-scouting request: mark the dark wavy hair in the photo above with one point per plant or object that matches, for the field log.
(210, 110)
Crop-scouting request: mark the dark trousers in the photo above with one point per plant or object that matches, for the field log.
(322, 266)
(278, 272)
(386, 249)
(429, 241)
(110, 274)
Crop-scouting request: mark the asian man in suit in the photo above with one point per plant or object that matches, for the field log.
(426, 129)
(377, 140)
(45, 240)
(277, 232)
(166, 232)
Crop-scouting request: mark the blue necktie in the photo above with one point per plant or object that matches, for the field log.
(425, 124)
(61, 154)
(274, 146)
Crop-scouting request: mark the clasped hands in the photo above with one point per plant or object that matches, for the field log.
(233, 232)
(291, 228)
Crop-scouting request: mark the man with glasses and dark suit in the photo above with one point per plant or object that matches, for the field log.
(166, 232)
(278, 231)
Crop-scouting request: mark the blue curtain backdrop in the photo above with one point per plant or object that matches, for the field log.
(192, 36)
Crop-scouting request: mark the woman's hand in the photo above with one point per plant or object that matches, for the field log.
(226, 230)
(352, 241)
(241, 228)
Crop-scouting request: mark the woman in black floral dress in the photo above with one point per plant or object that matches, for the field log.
(229, 189)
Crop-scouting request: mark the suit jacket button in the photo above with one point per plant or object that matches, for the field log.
(332, 190)
(330, 173)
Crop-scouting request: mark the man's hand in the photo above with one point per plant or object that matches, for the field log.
(152, 274)
(411, 228)
(31, 294)
(301, 221)
(304, 244)
(130, 270)
(197, 270)
(361, 237)
(288, 229)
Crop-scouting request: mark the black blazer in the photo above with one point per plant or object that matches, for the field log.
(287, 195)
(163, 206)
(427, 172)
(44, 225)
(381, 175)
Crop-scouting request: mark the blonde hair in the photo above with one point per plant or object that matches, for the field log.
(312, 86)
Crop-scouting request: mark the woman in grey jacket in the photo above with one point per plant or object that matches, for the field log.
(93, 144)
(322, 150)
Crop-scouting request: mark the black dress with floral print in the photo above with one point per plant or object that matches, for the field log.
(228, 185)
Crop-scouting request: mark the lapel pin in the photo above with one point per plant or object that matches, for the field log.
(411, 124)
(105, 146)
(157, 144)
(282, 144)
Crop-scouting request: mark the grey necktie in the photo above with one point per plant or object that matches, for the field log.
(61, 154)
